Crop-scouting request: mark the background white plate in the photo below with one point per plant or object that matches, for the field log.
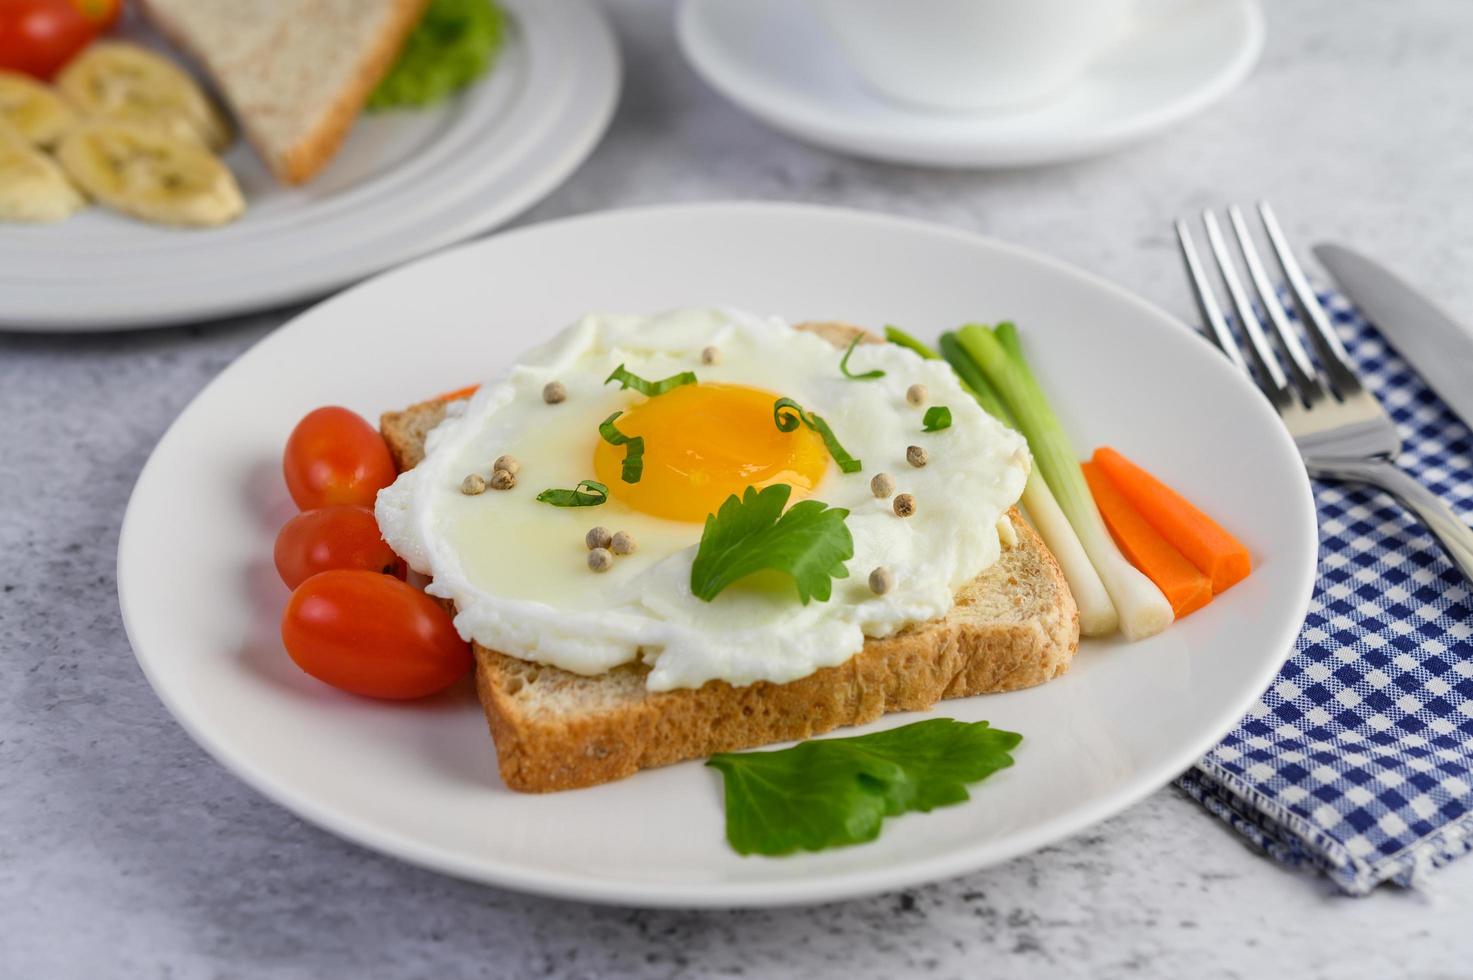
(201, 600)
(404, 183)
(775, 59)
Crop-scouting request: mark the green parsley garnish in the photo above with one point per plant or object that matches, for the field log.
(844, 364)
(628, 379)
(588, 493)
(937, 417)
(836, 791)
(752, 534)
(633, 448)
(788, 414)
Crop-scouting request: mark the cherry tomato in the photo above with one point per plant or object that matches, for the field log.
(334, 457)
(39, 36)
(341, 536)
(373, 635)
(103, 13)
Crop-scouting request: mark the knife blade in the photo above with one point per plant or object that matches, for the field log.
(1437, 346)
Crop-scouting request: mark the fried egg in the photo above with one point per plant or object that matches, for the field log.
(517, 568)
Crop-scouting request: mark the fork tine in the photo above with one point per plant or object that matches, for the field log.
(1327, 343)
(1300, 366)
(1207, 300)
(1275, 385)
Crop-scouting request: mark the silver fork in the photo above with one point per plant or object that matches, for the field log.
(1341, 430)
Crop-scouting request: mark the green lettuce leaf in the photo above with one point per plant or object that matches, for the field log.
(837, 791)
(810, 542)
(455, 43)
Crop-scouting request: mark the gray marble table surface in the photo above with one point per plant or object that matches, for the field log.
(125, 851)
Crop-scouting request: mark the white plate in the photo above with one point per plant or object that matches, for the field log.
(775, 60)
(201, 600)
(404, 183)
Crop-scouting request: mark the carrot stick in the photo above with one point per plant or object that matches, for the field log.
(1184, 586)
(1217, 553)
(457, 394)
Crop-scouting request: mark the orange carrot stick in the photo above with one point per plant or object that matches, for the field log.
(457, 394)
(1216, 552)
(1184, 586)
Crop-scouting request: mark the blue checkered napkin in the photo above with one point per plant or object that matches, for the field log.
(1358, 760)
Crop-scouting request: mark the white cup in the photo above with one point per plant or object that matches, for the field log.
(973, 54)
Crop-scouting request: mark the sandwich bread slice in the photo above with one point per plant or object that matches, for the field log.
(1012, 627)
(295, 72)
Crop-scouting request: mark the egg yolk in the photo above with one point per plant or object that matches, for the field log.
(703, 443)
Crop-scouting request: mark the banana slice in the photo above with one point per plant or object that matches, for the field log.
(128, 83)
(32, 186)
(34, 109)
(141, 170)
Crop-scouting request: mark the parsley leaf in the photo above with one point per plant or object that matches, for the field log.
(837, 791)
(628, 379)
(810, 542)
(937, 417)
(844, 364)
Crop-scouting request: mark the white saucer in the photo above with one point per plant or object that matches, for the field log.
(775, 60)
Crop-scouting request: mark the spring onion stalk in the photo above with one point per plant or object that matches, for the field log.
(897, 336)
(1097, 615)
(1142, 609)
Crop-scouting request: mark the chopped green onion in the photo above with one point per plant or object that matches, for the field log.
(628, 379)
(633, 448)
(1142, 609)
(937, 417)
(790, 421)
(844, 363)
(897, 336)
(847, 463)
(787, 413)
(588, 493)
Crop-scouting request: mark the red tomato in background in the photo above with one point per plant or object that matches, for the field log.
(103, 13)
(333, 456)
(39, 36)
(370, 634)
(343, 536)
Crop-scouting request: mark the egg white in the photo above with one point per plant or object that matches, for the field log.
(516, 568)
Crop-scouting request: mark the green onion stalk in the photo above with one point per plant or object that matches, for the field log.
(1097, 616)
(1141, 607)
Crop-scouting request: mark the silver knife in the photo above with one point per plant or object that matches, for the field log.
(1431, 341)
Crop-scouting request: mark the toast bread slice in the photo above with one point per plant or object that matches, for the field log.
(295, 72)
(1014, 626)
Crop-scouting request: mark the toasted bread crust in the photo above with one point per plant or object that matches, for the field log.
(1014, 626)
(302, 162)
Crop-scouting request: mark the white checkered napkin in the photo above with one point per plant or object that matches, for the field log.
(1358, 760)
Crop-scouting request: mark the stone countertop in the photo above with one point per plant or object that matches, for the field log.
(124, 851)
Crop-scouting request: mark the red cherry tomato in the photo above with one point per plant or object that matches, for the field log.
(373, 635)
(334, 457)
(103, 13)
(39, 36)
(342, 536)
